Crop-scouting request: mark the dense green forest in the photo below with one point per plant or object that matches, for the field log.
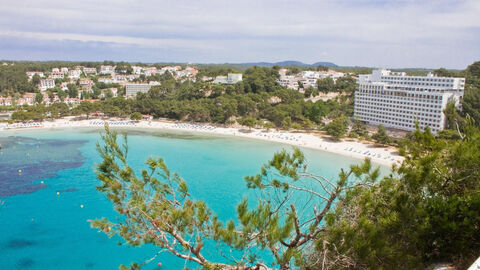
(13, 80)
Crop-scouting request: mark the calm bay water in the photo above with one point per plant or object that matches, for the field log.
(42, 230)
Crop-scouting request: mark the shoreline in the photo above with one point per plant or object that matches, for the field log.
(386, 156)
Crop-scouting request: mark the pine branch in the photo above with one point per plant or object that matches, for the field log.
(308, 190)
(319, 179)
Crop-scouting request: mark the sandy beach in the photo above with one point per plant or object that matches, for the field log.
(348, 147)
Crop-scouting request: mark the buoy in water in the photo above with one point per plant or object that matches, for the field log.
(58, 193)
(81, 205)
(41, 182)
(159, 264)
(19, 171)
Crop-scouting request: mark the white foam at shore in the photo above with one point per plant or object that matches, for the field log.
(384, 156)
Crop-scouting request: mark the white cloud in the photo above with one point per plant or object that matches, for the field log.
(125, 40)
(272, 29)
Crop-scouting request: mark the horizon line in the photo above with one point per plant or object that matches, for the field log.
(250, 63)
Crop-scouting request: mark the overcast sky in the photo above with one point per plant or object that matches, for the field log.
(377, 33)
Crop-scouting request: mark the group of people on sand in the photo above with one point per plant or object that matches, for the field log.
(112, 123)
(22, 125)
(281, 136)
(193, 127)
(370, 154)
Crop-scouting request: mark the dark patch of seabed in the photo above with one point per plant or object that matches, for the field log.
(37, 159)
(25, 263)
(19, 243)
(178, 134)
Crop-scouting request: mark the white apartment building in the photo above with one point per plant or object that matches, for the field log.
(6, 101)
(332, 74)
(289, 81)
(27, 99)
(30, 74)
(86, 82)
(137, 70)
(106, 69)
(231, 78)
(308, 78)
(120, 78)
(88, 70)
(46, 84)
(107, 80)
(308, 82)
(207, 79)
(220, 79)
(189, 72)
(74, 74)
(132, 77)
(131, 90)
(395, 100)
(310, 74)
(57, 75)
(150, 71)
(170, 69)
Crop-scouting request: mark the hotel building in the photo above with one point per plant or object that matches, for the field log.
(46, 84)
(132, 89)
(395, 100)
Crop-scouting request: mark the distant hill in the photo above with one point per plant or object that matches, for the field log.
(288, 63)
(327, 64)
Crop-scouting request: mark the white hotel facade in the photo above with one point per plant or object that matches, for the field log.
(395, 100)
(131, 90)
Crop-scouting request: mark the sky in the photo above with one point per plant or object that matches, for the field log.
(374, 33)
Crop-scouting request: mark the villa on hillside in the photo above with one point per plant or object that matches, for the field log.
(74, 74)
(6, 101)
(107, 69)
(57, 75)
(87, 71)
(30, 74)
(307, 78)
(231, 78)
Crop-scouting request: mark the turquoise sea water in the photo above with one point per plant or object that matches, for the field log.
(42, 230)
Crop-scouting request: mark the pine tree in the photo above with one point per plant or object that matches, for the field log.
(156, 208)
(425, 211)
(381, 136)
